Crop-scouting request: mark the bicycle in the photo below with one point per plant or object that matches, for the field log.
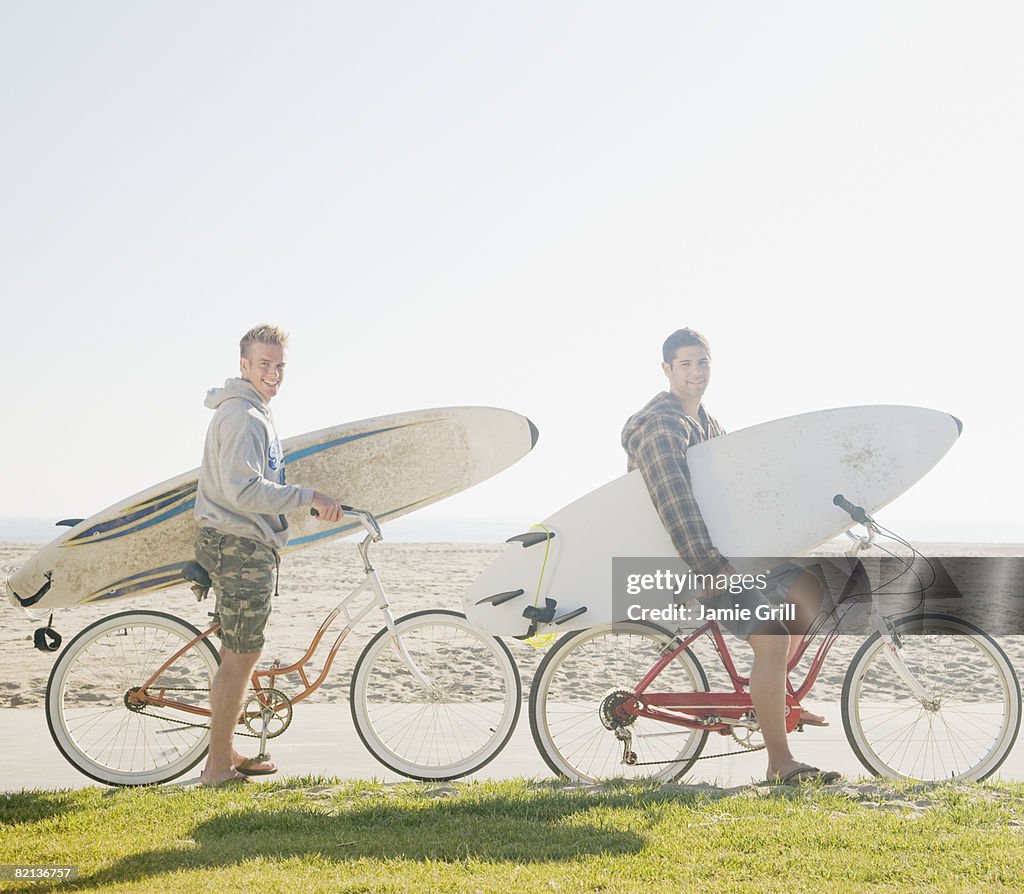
(431, 697)
(927, 696)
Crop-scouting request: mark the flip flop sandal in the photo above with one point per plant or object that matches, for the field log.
(806, 774)
(248, 767)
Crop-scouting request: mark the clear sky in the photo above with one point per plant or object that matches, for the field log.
(509, 204)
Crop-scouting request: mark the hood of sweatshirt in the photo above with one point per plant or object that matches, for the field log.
(663, 404)
(235, 388)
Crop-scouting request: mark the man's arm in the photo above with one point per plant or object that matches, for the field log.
(241, 462)
(661, 458)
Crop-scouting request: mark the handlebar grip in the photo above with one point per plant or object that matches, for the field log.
(856, 512)
(344, 508)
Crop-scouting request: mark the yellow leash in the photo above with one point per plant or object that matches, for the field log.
(542, 640)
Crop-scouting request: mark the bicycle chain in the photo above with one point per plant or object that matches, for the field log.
(185, 725)
(703, 757)
(746, 749)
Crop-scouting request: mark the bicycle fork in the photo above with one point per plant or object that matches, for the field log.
(894, 656)
(893, 647)
(396, 641)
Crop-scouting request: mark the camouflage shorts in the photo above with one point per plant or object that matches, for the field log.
(243, 573)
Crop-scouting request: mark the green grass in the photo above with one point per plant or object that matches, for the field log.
(321, 835)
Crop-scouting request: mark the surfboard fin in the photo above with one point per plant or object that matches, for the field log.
(532, 538)
(68, 522)
(568, 616)
(501, 598)
(534, 434)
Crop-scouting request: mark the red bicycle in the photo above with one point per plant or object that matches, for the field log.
(927, 696)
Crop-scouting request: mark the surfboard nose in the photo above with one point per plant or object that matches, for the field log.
(959, 426)
(534, 434)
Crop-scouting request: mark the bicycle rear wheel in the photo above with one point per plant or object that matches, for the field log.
(455, 726)
(91, 718)
(575, 681)
(963, 729)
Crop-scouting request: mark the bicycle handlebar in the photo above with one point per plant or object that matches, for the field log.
(365, 517)
(856, 512)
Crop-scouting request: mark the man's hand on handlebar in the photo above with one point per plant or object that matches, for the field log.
(326, 508)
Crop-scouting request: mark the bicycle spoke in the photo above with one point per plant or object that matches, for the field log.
(967, 722)
(455, 724)
(582, 678)
(88, 717)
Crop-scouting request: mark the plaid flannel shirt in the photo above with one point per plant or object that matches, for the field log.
(656, 439)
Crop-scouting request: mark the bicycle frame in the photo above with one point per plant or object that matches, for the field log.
(150, 694)
(721, 711)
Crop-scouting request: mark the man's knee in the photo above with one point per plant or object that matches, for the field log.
(807, 588)
(238, 660)
(771, 639)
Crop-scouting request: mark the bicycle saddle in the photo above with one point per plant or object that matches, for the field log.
(194, 572)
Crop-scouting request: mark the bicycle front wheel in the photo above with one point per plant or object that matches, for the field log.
(435, 698)
(93, 720)
(964, 726)
(578, 681)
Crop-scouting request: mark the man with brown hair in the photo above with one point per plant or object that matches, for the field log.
(241, 502)
(656, 439)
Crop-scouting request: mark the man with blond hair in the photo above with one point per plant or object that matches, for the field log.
(241, 503)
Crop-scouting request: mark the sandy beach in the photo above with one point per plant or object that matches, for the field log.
(416, 576)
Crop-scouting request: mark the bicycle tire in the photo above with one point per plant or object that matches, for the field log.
(572, 682)
(967, 727)
(86, 699)
(455, 729)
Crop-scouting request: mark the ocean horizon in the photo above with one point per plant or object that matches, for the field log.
(413, 529)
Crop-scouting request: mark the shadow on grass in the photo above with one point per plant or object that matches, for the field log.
(549, 827)
(35, 806)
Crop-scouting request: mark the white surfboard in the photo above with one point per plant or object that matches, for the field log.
(390, 465)
(764, 491)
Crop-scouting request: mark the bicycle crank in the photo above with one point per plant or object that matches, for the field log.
(267, 714)
(747, 732)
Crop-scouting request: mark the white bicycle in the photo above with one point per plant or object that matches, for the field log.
(432, 698)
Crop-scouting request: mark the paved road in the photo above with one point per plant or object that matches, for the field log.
(322, 741)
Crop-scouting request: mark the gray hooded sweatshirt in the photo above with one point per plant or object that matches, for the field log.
(242, 488)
